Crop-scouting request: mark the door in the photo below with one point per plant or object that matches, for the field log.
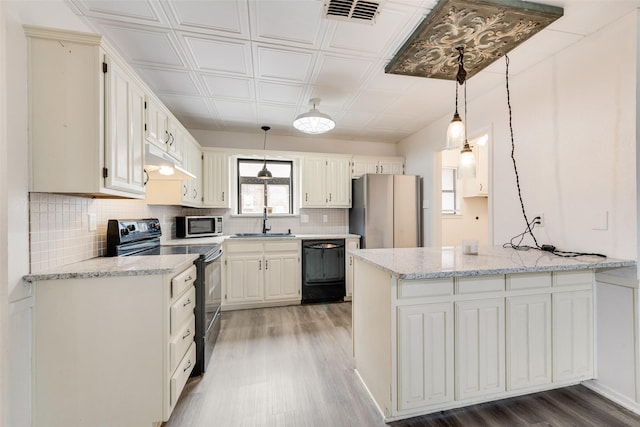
(216, 179)
(314, 187)
(244, 279)
(338, 182)
(282, 276)
(572, 335)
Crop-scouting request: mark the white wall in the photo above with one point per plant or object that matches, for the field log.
(574, 124)
(306, 143)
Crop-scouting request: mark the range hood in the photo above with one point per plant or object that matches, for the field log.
(161, 166)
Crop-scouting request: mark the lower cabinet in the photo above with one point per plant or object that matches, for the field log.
(479, 347)
(492, 337)
(425, 348)
(112, 351)
(528, 341)
(260, 274)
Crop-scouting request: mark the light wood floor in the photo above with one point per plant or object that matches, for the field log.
(292, 366)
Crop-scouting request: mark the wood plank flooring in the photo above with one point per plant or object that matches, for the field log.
(292, 366)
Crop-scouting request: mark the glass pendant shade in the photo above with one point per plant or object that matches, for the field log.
(467, 162)
(455, 132)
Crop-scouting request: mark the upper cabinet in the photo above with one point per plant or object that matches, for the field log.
(162, 130)
(215, 183)
(326, 182)
(478, 186)
(86, 117)
(383, 165)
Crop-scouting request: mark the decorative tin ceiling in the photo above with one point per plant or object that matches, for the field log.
(486, 29)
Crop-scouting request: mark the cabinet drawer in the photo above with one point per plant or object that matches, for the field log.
(180, 343)
(182, 309)
(573, 278)
(282, 246)
(181, 375)
(182, 281)
(425, 288)
(478, 284)
(528, 281)
(243, 247)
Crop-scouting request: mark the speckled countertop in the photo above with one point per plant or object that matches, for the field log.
(116, 266)
(221, 239)
(432, 263)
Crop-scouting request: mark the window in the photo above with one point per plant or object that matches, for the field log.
(449, 191)
(252, 191)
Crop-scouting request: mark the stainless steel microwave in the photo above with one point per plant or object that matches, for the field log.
(198, 226)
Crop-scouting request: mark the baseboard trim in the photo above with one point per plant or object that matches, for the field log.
(612, 395)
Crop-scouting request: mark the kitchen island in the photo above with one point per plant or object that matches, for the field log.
(435, 329)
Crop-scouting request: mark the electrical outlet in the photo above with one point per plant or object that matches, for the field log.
(92, 221)
(325, 218)
(540, 221)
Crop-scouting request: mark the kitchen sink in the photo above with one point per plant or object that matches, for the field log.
(255, 235)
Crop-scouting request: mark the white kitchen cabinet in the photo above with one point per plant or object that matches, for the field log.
(124, 152)
(573, 335)
(350, 243)
(480, 337)
(528, 341)
(381, 165)
(425, 349)
(191, 192)
(215, 182)
(84, 117)
(161, 128)
(261, 273)
(479, 185)
(326, 182)
(112, 350)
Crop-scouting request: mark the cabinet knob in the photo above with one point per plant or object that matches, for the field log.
(188, 366)
(185, 190)
(166, 134)
(260, 265)
(329, 196)
(187, 302)
(266, 264)
(186, 334)
(381, 168)
(223, 196)
(188, 278)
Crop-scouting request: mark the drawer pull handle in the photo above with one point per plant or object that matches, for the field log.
(187, 334)
(188, 278)
(187, 302)
(188, 366)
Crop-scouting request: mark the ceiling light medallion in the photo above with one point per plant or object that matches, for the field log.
(488, 29)
(264, 173)
(314, 122)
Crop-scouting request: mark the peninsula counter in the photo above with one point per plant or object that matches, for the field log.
(435, 329)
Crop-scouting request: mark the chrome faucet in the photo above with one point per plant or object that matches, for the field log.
(264, 222)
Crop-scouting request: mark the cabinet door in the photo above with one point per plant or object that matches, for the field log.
(282, 277)
(215, 180)
(572, 335)
(175, 144)
(528, 341)
(478, 186)
(156, 129)
(196, 169)
(314, 182)
(425, 349)
(350, 244)
(243, 279)
(391, 166)
(479, 347)
(123, 142)
(362, 166)
(338, 176)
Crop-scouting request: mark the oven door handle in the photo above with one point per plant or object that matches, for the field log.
(325, 246)
(214, 256)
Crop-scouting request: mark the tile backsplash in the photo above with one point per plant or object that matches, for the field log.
(59, 224)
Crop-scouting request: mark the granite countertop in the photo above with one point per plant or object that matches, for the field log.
(221, 239)
(116, 266)
(432, 263)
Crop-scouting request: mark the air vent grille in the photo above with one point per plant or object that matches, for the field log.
(352, 10)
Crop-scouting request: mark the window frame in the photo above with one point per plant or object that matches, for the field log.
(455, 192)
(240, 180)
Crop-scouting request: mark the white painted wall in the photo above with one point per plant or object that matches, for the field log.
(574, 123)
(306, 143)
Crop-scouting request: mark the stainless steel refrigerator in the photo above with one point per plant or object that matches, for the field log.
(387, 211)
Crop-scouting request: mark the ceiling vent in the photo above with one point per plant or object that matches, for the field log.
(352, 10)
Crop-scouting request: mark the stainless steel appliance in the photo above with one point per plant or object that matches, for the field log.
(142, 237)
(387, 211)
(323, 276)
(198, 226)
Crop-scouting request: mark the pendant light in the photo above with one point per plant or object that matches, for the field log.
(456, 129)
(314, 122)
(466, 160)
(264, 172)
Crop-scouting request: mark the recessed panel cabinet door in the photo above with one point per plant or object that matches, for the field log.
(528, 341)
(425, 349)
(244, 279)
(572, 335)
(215, 179)
(124, 145)
(479, 347)
(281, 276)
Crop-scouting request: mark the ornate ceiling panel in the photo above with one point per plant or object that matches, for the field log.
(486, 29)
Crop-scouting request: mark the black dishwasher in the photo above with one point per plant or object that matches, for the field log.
(323, 270)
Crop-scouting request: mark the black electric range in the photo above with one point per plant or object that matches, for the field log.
(141, 237)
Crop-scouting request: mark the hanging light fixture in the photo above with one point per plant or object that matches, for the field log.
(456, 129)
(264, 172)
(314, 122)
(466, 160)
